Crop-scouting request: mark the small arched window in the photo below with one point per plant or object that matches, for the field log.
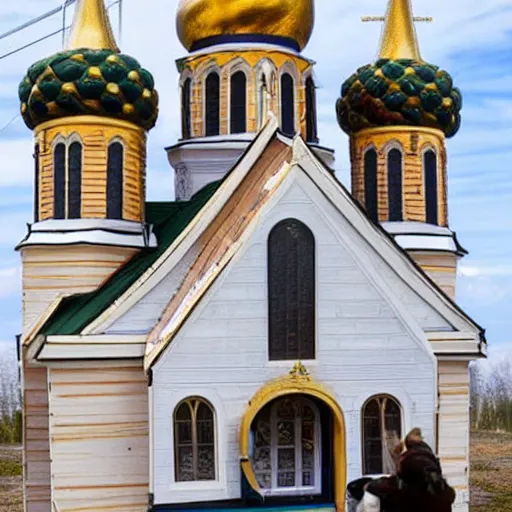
(370, 185)
(291, 282)
(115, 164)
(431, 201)
(59, 181)
(395, 185)
(186, 115)
(287, 104)
(212, 101)
(311, 121)
(194, 441)
(239, 103)
(36, 183)
(382, 431)
(74, 180)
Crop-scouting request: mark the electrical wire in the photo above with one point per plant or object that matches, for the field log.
(8, 54)
(9, 123)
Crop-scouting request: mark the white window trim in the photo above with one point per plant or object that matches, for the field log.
(203, 78)
(239, 64)
(289, 68)
(297, 490)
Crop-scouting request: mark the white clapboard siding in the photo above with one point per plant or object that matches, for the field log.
(99, 439)
(36, 456)
(453, 442)
(364, 347)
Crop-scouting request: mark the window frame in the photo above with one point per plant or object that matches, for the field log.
(37, 177)
(71, 198)
(395, 147)
(314, 490)
(108, 185)
(286, 71)
(272, 360)
(311, 110)
(427, 150)
(374, 215)
(187, 401)
(236, 71)
(186, 106)
(209, 72)
(378, 397)
(59, 144)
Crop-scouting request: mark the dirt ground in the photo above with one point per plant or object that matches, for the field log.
(491, 475)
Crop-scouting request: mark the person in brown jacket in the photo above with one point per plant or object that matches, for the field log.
(418, 485)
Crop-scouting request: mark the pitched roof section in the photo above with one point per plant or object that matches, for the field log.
(169, 219)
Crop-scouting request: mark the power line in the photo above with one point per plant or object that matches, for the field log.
(32, 43)
(9, 123)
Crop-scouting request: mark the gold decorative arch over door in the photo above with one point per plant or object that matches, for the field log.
(298, 381)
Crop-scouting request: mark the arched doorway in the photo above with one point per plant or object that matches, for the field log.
(297, 405)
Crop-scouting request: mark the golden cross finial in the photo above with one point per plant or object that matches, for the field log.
(91, 27)
(399, 39)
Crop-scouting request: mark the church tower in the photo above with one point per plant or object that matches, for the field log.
(90, 108)
(398, 112)
(244, 61)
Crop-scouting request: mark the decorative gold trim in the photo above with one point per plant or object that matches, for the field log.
(298, 381)
(88, 120)
(400, 129)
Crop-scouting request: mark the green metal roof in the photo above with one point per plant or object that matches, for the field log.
(169, 220)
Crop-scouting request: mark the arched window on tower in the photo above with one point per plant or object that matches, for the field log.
(370, 184)
(238, 112)
(186, 116)
(115, 166)
(382, 431)
(59, 181)
(287, 104)
(36, 183)
(395, 200)
(431, 197)
(212, 120)
(291, 288)
(74, 180)
(311, 121)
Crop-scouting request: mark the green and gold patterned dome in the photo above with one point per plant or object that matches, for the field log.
(91, 77)
(400, 89)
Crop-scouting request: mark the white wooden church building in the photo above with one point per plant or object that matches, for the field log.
(262, 340)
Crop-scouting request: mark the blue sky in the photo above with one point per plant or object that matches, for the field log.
(470, 38)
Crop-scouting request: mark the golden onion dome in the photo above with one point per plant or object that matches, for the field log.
(203, 23)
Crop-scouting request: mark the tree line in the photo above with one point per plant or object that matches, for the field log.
(491, 396)
(11, 430)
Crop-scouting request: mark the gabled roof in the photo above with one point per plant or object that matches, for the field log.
(169, 219)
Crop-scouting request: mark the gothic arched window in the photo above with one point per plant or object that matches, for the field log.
(74, 180)
(287, 104)
(371, 198)
(59, 181)
(238, 103)
(382, 431)
(36, 183)
(287, 447)
(194, 441)
(212, 118)
(395, 185)
(186, 115)
(311, 122)
(431, 201)
(291, 288)
(115, 164)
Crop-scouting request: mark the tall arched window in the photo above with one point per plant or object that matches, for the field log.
(36, 183)
(371, 199)
(115, 164)
(311, 122)
(59, 181)
(431, 201)
(287, 104)
(382, 431)
(74, 180)
(291, 287)
(212, 101)
(287, 447)
(395, 185)
(194, 441)
(238, 103)
(186, 117)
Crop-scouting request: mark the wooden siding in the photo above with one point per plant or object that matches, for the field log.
(36, 454)
(453, 436)
(413, 142)
(95, 137)
(99, 438)
(441, 268)
(363, 346)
